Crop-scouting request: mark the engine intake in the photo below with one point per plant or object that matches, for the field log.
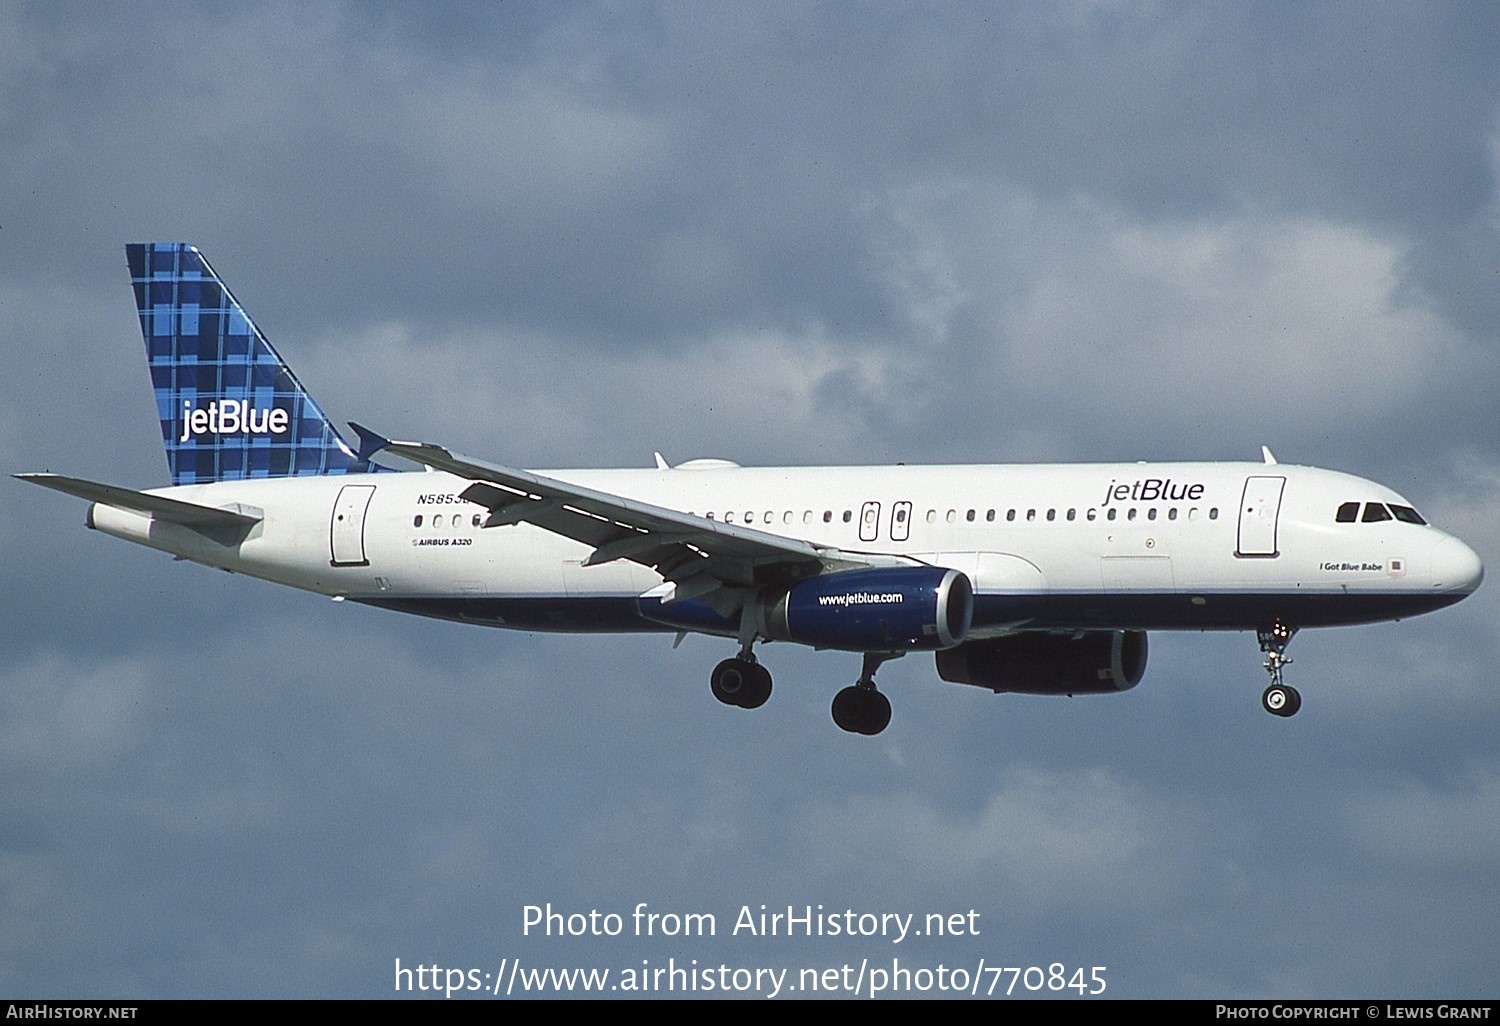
(1095, 663)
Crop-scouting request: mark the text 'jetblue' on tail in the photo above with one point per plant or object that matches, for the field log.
(230, 407)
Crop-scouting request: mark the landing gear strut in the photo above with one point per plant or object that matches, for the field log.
(859, 708)
(1280, 698)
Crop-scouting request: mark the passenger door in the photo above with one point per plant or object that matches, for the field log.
(1259, 508)
(346, 532)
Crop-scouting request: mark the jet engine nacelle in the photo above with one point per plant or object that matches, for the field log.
(883, 609)
(1095, 663)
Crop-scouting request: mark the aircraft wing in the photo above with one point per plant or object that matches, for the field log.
(701, 557)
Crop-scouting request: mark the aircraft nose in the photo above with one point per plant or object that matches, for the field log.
(1455, 566)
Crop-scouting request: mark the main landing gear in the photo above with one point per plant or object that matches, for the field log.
(859, 708)
(1280, 698)
(741, 681)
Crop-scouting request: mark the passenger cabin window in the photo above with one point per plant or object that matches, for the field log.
(1347, 514)
(1375, 512)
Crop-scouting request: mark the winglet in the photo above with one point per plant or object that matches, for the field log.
(1265, 453)
(369, 442)
(661, 462)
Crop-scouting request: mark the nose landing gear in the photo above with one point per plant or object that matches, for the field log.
(1280, 698)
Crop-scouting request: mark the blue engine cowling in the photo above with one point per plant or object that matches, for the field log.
(1095, 663)
(884, 609)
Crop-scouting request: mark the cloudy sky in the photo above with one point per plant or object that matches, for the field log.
(561, 235)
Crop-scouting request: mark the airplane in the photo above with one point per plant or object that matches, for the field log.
(1040, 579)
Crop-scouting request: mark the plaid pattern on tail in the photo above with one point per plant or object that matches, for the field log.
(230, 408)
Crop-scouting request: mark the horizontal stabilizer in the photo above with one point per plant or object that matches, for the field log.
(216, 523)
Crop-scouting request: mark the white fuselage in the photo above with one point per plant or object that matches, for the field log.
(1077, 546)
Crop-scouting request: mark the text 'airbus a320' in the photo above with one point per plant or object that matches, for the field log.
(1042, 579)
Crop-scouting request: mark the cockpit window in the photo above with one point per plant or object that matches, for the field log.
(1375, 512)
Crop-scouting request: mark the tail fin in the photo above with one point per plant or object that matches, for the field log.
(230, 407)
